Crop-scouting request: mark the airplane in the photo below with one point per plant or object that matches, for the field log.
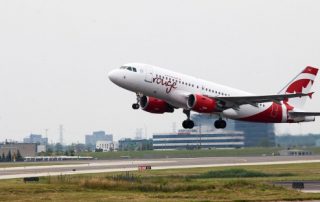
(161, 91)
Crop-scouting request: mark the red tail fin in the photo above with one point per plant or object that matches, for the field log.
(301, 84)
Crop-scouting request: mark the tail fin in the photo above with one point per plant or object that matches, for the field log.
(300, 84)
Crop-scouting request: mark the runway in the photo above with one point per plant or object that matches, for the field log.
(103, 166)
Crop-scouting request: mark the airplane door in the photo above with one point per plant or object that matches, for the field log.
(149, 75)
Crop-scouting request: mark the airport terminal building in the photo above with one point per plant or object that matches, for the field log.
(194, 140)
(205, 135)
(255, 134)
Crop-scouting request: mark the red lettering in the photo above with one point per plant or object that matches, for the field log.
(168, 84)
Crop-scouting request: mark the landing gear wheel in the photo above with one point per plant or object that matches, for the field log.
(188, 124)
(135, 106)
(223, 124)
(220, 124)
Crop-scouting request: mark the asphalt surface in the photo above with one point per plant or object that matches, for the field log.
(100, 166)
(309, 186)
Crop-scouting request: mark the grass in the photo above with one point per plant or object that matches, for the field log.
(241, 183)
(239, 173)
(190, 153)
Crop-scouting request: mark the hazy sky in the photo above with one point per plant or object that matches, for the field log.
(55, 55)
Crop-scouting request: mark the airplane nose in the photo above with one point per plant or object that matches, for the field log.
(113, 75)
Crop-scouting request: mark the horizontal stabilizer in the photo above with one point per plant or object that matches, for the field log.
(302, 114)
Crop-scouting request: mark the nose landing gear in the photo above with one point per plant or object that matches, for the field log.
(187, 124)
(136, 105)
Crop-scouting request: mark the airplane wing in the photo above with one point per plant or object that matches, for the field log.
(302, 114)
(236, 102)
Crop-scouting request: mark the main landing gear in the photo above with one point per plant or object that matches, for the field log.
(136, 105)
(187, 124)
(220, 124)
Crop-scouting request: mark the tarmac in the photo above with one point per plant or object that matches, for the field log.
(103, 166)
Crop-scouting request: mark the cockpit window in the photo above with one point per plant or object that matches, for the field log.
(129, 68)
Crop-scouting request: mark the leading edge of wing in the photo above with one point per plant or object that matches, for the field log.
(235, 102)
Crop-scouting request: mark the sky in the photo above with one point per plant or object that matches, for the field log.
(55, 56)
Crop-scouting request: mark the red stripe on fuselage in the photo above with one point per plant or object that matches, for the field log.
(271, 115)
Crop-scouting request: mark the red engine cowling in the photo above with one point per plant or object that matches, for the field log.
(202, 104)
(154, 105)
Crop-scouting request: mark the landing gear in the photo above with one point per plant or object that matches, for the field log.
(187, 124)
(136, 105)
(220, 124)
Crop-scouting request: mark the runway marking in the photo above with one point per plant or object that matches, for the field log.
(153, 168)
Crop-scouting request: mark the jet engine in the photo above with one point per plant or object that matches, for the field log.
(202, 104)
(154, 105)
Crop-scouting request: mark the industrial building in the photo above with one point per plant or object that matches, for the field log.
(91, 140)
(25, 149)
(105, 146)
(205, 135)
(128, 144)
(295, 152)
(195, 140)
(34, 138)
(255, 134)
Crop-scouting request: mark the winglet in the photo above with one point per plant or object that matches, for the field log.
(310, 95)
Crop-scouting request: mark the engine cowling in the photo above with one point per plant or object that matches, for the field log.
(154, 105)
(202, 104)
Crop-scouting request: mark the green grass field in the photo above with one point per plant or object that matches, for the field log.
(241, 183)
(190, 153)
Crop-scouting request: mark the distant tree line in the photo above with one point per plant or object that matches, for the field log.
(11, 157)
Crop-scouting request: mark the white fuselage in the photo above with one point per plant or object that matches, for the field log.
(174, 88)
